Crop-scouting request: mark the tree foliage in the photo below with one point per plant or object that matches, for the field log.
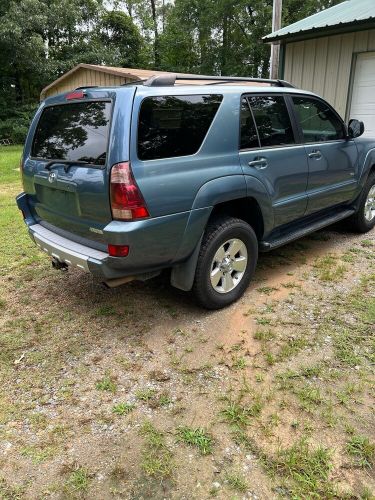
(42, 39)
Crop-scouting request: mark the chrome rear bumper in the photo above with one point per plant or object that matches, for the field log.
(65, 250)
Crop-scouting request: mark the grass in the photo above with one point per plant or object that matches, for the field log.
(360, 448)
(123, 408)
(145, 394)
(236, 481)
(197, 437)
(157, 459)
(17, 251)
(78, 481)
(305, 470)
(328, 268)
(106, 384)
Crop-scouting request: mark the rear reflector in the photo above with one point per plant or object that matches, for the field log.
(76, 94)
(127, 202)
(118, 250)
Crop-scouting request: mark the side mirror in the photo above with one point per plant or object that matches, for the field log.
(355, 128)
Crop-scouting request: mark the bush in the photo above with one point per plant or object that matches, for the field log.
(15, 121)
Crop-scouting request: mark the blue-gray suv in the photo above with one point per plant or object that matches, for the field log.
(197, 177)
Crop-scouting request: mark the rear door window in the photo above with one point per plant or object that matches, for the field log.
(272, 121)
(171, 126)
(75, 131)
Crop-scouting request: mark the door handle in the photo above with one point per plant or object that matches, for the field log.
(259, 162)
(315, 154)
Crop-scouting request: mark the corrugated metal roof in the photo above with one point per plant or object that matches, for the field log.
(346, 13)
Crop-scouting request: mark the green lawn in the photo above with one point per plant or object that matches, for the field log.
(16, 248)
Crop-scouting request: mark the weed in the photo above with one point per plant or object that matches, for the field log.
(309, 397)
(37, 454)
(362, 450)
(78, 480)
(366, 243)
(264, 335)
(8, 492)
(238, 415)
(123, 408)
(328, 269)
(105, 310)
(157, 459)
(307, 470)
(106, 384)
(270, 358)
(239, 363)
(236, 481)
(197, 437)
(145, 394)
(263, 321)
(267, 289)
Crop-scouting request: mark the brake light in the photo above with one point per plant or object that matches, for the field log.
(127, 202)
(76, 94)
(118, 250)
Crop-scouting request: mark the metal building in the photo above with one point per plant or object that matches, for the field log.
(332, 53)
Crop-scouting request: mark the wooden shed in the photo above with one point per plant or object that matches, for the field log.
(332, 53)
(92, 74)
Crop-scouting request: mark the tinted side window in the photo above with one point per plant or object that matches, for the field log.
(171, 126)
(318, 122)
(74, 131)
(272, 120)
(249, 136)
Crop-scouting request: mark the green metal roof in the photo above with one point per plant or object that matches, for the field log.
(341, 17)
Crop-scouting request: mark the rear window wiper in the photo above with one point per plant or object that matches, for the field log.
(67, 163)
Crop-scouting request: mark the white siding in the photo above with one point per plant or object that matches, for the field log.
(324, 65)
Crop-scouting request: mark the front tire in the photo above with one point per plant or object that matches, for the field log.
(364, 218)
(226, 262)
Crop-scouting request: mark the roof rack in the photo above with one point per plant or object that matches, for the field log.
(169, 79)
(87, 87)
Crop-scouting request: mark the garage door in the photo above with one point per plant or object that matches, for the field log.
(363, 97)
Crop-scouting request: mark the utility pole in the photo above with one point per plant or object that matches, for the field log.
(275, 46)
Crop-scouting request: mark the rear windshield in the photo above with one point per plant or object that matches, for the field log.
(171, 126)
(75, 131)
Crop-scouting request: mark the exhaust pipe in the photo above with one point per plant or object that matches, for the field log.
(112, 283)
(57, 264)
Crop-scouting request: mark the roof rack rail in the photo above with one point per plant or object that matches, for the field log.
(169, 79)
(87, 87)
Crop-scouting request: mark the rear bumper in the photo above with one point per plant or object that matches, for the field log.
(66, 251)
(153, 243)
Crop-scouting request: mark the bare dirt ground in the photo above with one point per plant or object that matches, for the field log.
(136, 393)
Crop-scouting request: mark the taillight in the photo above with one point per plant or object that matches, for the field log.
(118, 250)
(76, 94)
(127, 202)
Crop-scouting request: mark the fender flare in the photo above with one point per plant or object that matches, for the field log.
(210, 194)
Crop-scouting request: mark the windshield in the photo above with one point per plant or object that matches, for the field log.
(75, 132)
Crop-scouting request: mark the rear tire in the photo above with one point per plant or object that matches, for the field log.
(226, 262)
(364, 218)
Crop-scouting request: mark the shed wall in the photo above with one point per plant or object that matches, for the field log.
(84, 77)
(323, 65)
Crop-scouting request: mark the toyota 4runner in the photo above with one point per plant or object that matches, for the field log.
(126, 181)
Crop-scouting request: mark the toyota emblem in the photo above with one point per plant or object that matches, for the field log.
(52, 177)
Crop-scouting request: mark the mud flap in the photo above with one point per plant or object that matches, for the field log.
(182, 275)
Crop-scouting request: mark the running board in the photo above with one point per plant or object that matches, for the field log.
(265, 246)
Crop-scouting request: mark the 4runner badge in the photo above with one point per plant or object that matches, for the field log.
(52, 177)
